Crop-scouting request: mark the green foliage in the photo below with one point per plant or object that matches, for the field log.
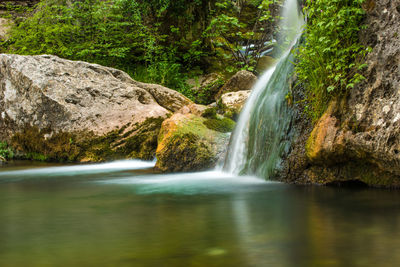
(5, 151)
(329, 61)
(156, 41)
(106, 32)
(210, 113)
(12, 9)
(217, 122)
(206, 95)
(125, 34)
(239, 31)
(36, 156)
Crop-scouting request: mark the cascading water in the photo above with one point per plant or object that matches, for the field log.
(260, 136)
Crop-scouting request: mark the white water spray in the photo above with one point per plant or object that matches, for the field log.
(266, 102)
(116, 166)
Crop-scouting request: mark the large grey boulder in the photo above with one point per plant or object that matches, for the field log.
(59, 109)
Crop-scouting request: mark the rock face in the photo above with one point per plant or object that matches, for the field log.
(186, 143)
(241, 81)
(70, 110)
(358, 138)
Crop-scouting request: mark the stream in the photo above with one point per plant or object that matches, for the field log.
(123, 214)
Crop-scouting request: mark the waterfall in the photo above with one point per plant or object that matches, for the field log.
(260, 136)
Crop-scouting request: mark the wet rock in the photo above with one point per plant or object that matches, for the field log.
(57, 109)
(241, 81)
(185, 143)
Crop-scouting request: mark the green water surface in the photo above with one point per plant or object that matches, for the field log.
(125, 217)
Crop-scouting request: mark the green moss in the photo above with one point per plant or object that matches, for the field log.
(98, 148)
(185, 152)
(309, 146)
(210, 113)
(186, 144)
(206, 95)
(36, 156)
(224, 125)
(193, 125)
(143, 143)
(57, 147)
(139, 142)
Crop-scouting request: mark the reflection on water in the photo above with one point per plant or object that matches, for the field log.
(127, 218)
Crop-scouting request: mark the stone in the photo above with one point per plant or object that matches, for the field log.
(57, 109)
(234, 101)
(241, 81)
(185, 143)
(167, 98)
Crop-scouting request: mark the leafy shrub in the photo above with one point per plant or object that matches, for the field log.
(105, 32)
(5, 151)
(329, 61)
(206, 95)
(239, 37)
(123, 34)
(210, 113)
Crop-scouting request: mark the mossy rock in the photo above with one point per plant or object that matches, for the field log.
(223, 125)
(44, 145)
(185, 143)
